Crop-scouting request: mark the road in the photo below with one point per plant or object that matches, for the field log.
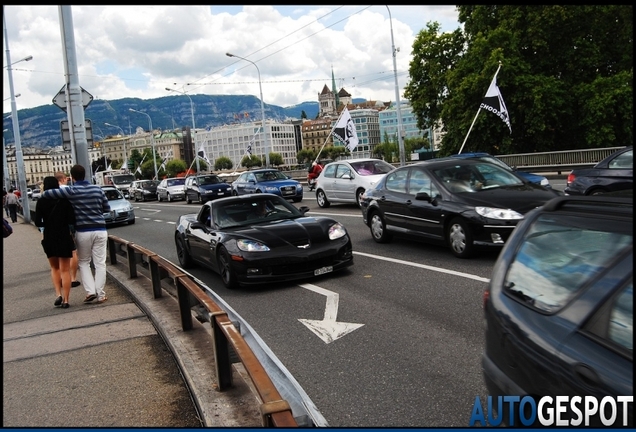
(413, 355)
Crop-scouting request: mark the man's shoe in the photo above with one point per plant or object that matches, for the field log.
(102, 300)
(89, 298)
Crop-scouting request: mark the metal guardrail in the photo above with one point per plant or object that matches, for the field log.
(559, 160)
(231, 335)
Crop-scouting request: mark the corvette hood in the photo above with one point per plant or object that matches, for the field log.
(298, 232)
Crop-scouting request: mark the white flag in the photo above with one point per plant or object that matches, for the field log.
(493, 102)
(345, 130)
(109, 168)
(202, 155)
(139, 167)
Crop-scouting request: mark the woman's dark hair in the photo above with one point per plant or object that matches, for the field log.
(51, 182)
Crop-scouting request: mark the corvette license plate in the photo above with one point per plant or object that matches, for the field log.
(323, 270)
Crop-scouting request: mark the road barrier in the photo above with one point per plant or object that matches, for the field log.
(230, 334)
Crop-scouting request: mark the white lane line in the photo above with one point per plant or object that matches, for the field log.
(423, 266)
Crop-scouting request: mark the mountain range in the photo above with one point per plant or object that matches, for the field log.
(40, 126)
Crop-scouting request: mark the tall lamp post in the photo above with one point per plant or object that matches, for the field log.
(152, 139)
(193, 125)
(26, 211)
(397, 95)
(260, 86)
(5, 167)
(124, 142)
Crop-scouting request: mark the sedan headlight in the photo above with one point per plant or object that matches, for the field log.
(336, 231)
(251, 246)
(545, 182)
(497, 213)
(271, 189)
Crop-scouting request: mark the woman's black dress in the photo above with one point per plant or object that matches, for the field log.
(57, 217)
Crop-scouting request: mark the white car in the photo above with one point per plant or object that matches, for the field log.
(345, 181)
(171, 189)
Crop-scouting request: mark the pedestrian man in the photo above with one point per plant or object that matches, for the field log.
(91, 237)
(12, 202)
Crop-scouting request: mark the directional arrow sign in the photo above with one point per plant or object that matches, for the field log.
(328, 329)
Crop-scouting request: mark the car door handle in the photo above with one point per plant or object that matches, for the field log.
(587, 375)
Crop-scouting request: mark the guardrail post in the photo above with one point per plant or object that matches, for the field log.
(221, 353)
(155, 277)
(132, 261)
(112, 251)
(183, 298)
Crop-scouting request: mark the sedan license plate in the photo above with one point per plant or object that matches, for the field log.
(288, 192)
(323, 270)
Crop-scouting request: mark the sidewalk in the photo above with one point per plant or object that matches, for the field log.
(97, 365)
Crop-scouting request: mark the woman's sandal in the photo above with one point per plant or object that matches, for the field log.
(58, 301)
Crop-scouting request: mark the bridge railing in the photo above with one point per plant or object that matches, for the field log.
(283, 402)
(559, 161)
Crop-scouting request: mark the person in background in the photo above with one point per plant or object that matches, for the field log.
(90, 204)
(4, 201)
(313, 174)
(12, 202)
(55, 217)
(62, 179)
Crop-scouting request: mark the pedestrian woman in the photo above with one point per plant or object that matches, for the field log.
(56, 218)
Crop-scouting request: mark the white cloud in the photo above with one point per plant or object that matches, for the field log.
(138, 51)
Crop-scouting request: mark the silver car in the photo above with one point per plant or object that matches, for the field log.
(121, 211)
(171, 189)
(345, 181)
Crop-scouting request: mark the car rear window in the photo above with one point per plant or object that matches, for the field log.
(560, 254)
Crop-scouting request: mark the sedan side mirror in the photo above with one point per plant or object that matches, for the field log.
(303, 209)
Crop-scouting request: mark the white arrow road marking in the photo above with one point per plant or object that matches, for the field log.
(328, 329)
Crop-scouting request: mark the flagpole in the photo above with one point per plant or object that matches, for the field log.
(328, 136)
(475, 119)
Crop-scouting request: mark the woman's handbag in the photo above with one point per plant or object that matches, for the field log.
(7, 230)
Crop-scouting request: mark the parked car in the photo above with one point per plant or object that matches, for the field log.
(559, 308)
(36, 194)
(205, 187)
(345, 181)
(121, 211)
(534, 178)
(261, 238)
(614, 173)
(171, 189)
(143, 190)
(462, 203)
(268, 180)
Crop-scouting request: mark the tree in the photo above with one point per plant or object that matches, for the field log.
(276, 159)
(222, 163)
(251, 161)
(175, 167)
(566, 78)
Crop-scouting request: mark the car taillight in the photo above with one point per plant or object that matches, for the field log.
(571, 178)
(485, 298)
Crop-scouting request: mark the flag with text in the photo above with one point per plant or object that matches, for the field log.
(345, 130)
(493, 102)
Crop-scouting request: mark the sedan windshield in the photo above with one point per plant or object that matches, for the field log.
(270, 175)
(473, 178)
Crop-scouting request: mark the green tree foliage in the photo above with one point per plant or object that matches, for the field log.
(566, 78)
(173, 168)
(276, 159)
(251, 161)
(222, 163)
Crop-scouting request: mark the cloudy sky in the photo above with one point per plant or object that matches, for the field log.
(138, 51)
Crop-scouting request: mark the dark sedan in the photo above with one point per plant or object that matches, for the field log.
(559, 312)
(614, 173)
(145, 190)
(462, 203)
(261, 238)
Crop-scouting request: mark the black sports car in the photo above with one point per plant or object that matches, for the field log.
(463, 203)
(261, 238)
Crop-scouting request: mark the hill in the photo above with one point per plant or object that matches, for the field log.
(40, 126)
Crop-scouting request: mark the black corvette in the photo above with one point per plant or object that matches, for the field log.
(261, 238)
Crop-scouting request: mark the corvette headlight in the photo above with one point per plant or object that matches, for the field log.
(336, 231)
(498, 213)
(251, 246)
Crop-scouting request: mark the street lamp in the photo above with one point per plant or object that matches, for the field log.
(152, 139)
(193, 126)
(266, 140)
(124, 142)
(17, 96)
(397, 95)
(7, 181)
(26, 211)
